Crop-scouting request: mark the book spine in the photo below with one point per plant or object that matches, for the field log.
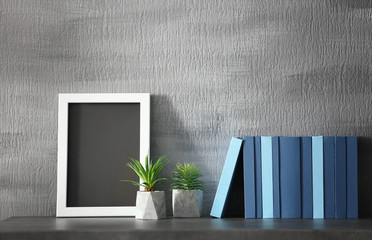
(257, 157)
(318, 190)
(276, 180)
(329, 177)
(340, 178)
(267, 177)
(249, 178)
(306, 174)
(226, 178)
(290, 177)
(352, 176)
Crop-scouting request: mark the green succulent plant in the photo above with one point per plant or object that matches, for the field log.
(148, 173)
(186, 177)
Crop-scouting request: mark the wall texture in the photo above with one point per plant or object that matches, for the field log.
(215, 69)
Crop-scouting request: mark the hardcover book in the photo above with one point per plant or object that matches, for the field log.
(306, 177)
(257, 157)
(225, 183)
(249, 177)
(290, 177)
(329, 177)
(276, 177)
(318, 183)
(267, 177)
(352, 176)
(340, 178)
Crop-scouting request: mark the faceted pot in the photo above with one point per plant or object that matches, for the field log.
(187, 203)
(150, 205)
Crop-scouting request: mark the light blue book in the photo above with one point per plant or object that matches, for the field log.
(267, 177)
(226, 178)
(318, 176)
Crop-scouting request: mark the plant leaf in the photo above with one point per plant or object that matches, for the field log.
(148, 173)
(186, 177)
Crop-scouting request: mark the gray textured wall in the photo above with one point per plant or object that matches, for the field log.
(215, 69)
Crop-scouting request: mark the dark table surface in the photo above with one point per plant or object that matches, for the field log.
(187, 228)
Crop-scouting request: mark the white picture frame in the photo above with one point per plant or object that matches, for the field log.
(62, 210)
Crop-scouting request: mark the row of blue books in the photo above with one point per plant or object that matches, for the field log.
(292, 177)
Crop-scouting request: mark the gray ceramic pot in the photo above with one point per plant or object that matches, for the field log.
(150, 205)
(187, 203)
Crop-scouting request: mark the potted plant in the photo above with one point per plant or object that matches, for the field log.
(150, 204)
(187, 194)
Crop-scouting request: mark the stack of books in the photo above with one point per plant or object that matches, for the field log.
(291, 177)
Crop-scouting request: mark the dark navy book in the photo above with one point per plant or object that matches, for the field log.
(276, 177)
(249, 177)
(329, 177)
(258, 165)
(290, 177)
(352, 177)
(306, 177)
(340, 178)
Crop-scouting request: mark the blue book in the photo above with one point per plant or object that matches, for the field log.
(318, 190)
(352, 177)
(329, 177)
(306, 174)
(276, 175)
(257, 157)
(267, 177)
(249, 178)
(290, 177)
(226, 178)
(340, 178)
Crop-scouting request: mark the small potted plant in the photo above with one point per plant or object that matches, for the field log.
(187, 194)
(150, 204)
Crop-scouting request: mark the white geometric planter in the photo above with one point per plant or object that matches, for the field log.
(187, 203)
(150, 205)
